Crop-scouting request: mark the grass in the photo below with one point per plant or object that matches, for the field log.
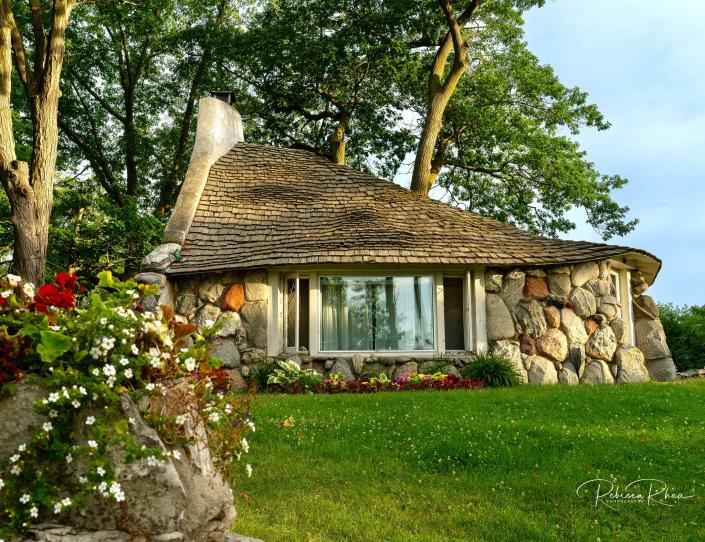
(499, 464)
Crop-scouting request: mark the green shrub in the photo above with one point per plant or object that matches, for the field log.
(438, 367)
(493, 370)
(260, 374)
(685, 333)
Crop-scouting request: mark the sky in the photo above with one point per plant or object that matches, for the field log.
(643, 63)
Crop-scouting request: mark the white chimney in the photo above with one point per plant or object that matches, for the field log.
(219, 127)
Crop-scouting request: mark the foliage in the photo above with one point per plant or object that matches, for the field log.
(89, 351)
(493, 370)
(292, 378)
(495, 464)
(90, 233)
(685, 332)
(260, 374)
(134, 73)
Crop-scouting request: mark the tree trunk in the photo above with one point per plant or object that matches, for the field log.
(440, 93)
(130, 144)
(30, 189)
(337, 140)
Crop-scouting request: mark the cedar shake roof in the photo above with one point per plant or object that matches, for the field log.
(266, 206)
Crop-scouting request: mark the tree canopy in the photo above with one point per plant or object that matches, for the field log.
(450, 87)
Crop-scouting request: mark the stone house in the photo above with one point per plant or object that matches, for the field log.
(346, 272)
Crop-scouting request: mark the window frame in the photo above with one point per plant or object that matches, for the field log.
(623, 293)
(296, 349)
(474, 321)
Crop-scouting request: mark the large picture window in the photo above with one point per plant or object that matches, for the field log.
(377, 313)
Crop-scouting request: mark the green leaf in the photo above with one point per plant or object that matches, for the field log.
(78, 356)
(121, 427)
(105, 279)
(52, 345)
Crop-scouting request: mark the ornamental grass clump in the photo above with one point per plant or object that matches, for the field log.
(92, 352)
(495, 371)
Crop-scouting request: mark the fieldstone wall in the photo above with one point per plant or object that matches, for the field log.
(650, 336)
(556, 324)
(238, 301)
(564, 324)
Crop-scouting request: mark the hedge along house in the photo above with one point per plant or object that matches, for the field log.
(299, 257)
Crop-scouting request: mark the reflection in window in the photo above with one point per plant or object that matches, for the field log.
(376, 313)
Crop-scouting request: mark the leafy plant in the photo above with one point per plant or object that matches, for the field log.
(291, 377)
(260, 374)
(493, 370)
(88, 352)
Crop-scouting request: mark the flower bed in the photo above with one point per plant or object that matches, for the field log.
(290, 378)
(91, 352)
(417, 381)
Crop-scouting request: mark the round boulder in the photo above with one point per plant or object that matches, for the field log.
(499, 320)
(553, 344)
(630, 365)
(597, 372)
(541, 371)
(602, 344)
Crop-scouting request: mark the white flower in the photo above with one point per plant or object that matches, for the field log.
(134, 349)
(107, 343)
(128, 373)
(53, 413)
(55, 328)
(24, 499)
(117, 492)
(252, 425)
(16, 470)
(100, 471)
(213, 417)
(76, 403)
(111, 381)
(109, 370)
(28, 289)
(190, 364)
(102, 487)
(90, 420)
(103, 321)
(129, 292)
(152, 461)
(180, 419)
(66, 502)
(83, 390)
(69, 458)
(248, 468)
(53, 397)
(47, 426)
(82, 479)
(135, 296)
(96, 371)
(149, 386)
(14, 280)
(15, 458)
(209, 323)
(6, 294)
(33, 512)
(245, 445)
(21, 448)
(156, 363)
(57, 508)
(124, 361)
(95, 352)
(2, 483)
(176, 454)
(93, 444)
(131, 420)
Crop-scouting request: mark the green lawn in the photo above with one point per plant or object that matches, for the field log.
(474, 465)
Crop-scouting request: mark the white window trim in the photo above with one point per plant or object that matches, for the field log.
(624, 296)
(474, 321)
